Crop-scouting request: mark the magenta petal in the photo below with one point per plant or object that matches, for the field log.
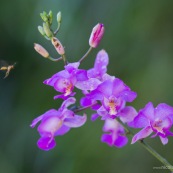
(102, 112)
(166, 123)
(128, 96)
(121, 141)
(101, 62)
(72, 66)
(46, 143)
(164, 140)
(95, 107)
(163, 110)
(95, 95)
(51, 112)
(107, 77)
(100, 65)
(91, 73)
(77, 121)
(148, 111)
(106, 88)
(127, 114)
(51, 81)
(118, 87)
(62, 96)
(89, 84)
(107, 139)
(142, 134)
(94, 117)
(140, 121)
(81, 75)
(68, 102)
(84, 101)
(36, 120)
(61, 84)
(63, 130)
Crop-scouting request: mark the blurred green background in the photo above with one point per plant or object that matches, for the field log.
(139, 41)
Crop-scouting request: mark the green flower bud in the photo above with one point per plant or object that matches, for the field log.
(59, 17)
(50, 17)
(44, 16)
(41, 30)
(47, 30)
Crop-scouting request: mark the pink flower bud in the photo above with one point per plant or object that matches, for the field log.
(58, 46)
(96, 35)
(41, 50)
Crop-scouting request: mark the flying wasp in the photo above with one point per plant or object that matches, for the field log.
(5, 66)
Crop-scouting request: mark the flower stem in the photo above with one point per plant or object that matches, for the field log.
(56, 31)
(148, 148)
(156, 155)
(55, 60)
(83, 108)
(86, 54)
(64, 59)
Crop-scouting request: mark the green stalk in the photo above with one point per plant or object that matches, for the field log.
(86, 54)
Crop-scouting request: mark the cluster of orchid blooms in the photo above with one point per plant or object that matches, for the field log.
(106, 95)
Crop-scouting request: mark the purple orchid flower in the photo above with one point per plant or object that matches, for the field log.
(65, 81)
(112, 94)
(116, 136)
(56, 122)
(158, 120)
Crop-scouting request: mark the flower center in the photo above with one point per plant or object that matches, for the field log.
(157, 125)
(112, 107)
(68, 89)
(51, 125)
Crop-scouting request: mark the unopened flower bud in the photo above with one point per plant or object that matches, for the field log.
(58, 46)
(41, 50)
(41, 30)
(96, 35)
(44, 16)
(50, 17)
(59, 17)
(47, 30)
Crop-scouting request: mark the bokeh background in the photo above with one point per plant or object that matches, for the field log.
(139, 41)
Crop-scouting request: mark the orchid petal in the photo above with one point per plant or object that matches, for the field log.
(107, 139)
(163, 110)
(81, 75)
(127, 114)
(118, 87)
(77, 121)
(72, 66)
(84, 101)
(46, 143)
(51, 112)
(49, 125)
(63, 130)
(68, 102)
(94, 117)
(106, 88)
(139, 121)
(89, 84)
(148, 111)
(121, 141)
(142, 134)
(164, 140)
(100, 65)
